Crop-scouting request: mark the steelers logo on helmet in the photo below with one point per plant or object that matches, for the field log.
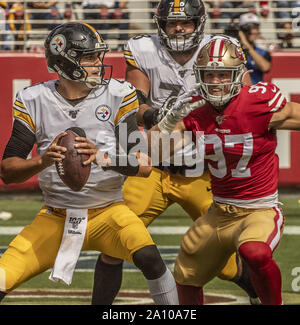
(58, 44)
(65, 47)
(103, 113)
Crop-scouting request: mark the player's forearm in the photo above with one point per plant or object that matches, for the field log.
(145, 164)
(292, 123)
(18, 170)
(140, 114)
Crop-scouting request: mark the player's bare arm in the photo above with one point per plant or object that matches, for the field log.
(288, 118)
(145, 163)
(17, 170)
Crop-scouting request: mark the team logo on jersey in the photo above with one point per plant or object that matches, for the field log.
(103, 113)
(57, 44)
(182, 73)
(73, 113)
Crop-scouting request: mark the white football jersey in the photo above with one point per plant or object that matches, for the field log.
(167, 77)
(46, 113)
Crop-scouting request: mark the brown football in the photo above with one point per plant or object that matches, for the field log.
(71, 170)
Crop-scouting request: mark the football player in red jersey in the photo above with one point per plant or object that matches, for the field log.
(239, 125)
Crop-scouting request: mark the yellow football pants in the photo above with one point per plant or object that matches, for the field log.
(114, 230)
(149, 197)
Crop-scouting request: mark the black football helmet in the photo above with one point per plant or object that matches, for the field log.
(67, 44)
(169, 10)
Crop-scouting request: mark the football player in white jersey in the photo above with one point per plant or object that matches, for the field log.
(160, 67)
(95, 218)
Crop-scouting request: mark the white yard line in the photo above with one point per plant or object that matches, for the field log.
(127, 297)
(154, 230)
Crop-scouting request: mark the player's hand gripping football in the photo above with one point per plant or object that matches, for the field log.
(54, 152)
(84, 146)
(180, 109)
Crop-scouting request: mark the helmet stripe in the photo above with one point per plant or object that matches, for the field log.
(216, 50)
(221, 49)
(211, 52)
(94, 31)
(176, 5)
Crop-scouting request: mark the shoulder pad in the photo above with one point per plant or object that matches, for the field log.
(120, 88)
(141, 51)
(32, 91)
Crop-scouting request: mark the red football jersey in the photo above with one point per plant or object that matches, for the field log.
(239, 147)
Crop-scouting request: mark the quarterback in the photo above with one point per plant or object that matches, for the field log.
(160, 67)
(96, 217)
(238, 124)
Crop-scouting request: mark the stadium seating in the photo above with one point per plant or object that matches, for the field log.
(140, 21)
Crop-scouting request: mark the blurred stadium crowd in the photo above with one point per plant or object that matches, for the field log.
(25, 24)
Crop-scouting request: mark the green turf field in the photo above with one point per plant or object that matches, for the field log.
(40, 290)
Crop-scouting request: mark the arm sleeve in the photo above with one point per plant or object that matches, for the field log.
(131, 167)
(122, 140)
(20, 143)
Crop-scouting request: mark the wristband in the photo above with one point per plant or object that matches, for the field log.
(150, 117)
